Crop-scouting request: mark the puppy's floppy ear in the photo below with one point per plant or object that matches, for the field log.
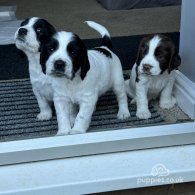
(50, 28)
(85, 66)
(49, 31)
(142, 49)
(138, 58)
(175, 61)
(80, 56)
(43, 58)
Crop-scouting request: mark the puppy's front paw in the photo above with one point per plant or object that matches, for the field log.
(72, 120)
(44, 116)
(167, 104)
(76, 131)
(143, 114)
(62, 132)
(123, 114)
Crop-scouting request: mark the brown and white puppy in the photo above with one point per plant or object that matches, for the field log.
(153, 74)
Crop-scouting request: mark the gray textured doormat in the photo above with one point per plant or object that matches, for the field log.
(18, 110)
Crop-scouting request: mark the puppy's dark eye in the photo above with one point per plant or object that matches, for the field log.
(144, 50)
(39, 30)
(50, 50)
(73, 49)
(159, 54)
(73, 52)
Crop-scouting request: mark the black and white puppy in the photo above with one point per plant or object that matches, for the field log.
(80, 76)
(30, 37)
(153, 74)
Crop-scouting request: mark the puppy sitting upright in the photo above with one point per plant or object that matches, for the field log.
(79, 76)
(30, 37)
(153, 74)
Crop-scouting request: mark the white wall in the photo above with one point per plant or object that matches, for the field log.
(187, 39)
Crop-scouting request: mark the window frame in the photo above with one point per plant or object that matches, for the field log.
(103, 142)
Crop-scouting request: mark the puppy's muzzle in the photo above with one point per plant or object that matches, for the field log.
(59, 66)
(22, 32)
(147, 68)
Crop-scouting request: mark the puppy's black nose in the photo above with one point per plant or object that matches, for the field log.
(59, 65)
(147, 68)
(22, 31)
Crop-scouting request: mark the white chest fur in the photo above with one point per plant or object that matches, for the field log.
(96, 82)
(38, 79)
(154, 84)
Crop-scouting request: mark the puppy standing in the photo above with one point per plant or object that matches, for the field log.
(30, 37)
(80, 77)
(153, 74)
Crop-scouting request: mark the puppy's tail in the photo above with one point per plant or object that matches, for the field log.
(106, 40)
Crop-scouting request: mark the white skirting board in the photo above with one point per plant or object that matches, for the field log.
(185, 94)
(98, 173)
